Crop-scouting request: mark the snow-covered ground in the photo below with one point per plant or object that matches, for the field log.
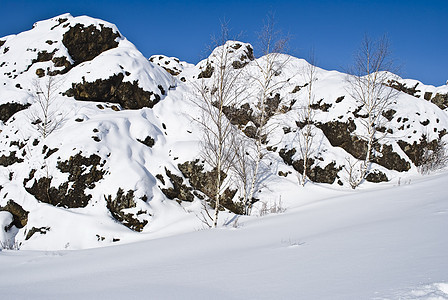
(384, 243)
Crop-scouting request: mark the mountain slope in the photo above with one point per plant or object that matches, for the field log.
(121, 161)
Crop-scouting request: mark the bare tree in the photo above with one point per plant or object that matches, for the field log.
(306, 117)
(368, 86)
(268, 103)
(219, 87)
(46, 115)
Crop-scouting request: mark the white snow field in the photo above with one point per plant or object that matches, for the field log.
(383, 243)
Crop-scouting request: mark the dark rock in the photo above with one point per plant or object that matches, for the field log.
(205, 182)
(148, 141)
(239, 116)
(179, 190)
(86, 43)
(416, 151)
(33, 230)
(7, 110)
(20, 216)
(297, 88)
(323, 107)
(40, 73)
(427, 96)
(389, 114)
(328, 174)
(2, 42)
(128, 95)
(441, 100)
(390, 159)
(425, 123)
(403, 88)
(339, 134)
(50, 152)
(339, 99)
(208, 72)
(6, 161)
(376, 176)
(118, 204)
(83, 172)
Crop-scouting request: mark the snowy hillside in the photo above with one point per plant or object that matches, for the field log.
(115, 155)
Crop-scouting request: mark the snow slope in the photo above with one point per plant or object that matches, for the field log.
(387, 243)
(137, 146)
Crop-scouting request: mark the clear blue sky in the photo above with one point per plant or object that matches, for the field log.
(418, 30)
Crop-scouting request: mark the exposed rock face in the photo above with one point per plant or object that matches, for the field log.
(441, 100)
(33, 230)
(118, 204)
(339, 135)
(20, 216)
(179, 190)
(203, 181)
(86, 43)
(415, 151)
(2, 42)
(391, 160)
(328, 174)
(245, 57)
(148, 141)
(403, 88)
(7, 110)
(115, 90)
(6, 161)
(208, 72)
(83, 172)
(376, 176)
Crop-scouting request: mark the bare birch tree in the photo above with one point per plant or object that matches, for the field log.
(268, 104)
(219, 87)
(368, 86)
(46, 116)
(306, 117)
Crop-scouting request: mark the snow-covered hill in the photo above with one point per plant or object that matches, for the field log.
(120, 161)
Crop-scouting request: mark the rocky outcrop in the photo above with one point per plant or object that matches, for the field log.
(327, 174)
(121, 202)
(179, 190)
(6, 161)
(148, 141)
(83, 173)
(34, 230)
(376, 176)
(86, 43)
(340, 134)
(416, 150)
(115, 90)
(20, 216)
(204, 182)
(441, 100)
(7, 110)
(403, 88)
(207, 72)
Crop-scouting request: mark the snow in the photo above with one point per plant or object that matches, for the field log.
(387, 243)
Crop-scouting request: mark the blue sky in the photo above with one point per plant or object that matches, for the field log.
(417, 30)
